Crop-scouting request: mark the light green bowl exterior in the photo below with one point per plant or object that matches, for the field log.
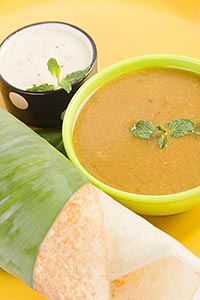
(143, 204)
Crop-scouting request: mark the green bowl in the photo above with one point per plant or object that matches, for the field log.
(143, 204)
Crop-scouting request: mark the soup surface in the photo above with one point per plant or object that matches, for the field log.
(107, 149)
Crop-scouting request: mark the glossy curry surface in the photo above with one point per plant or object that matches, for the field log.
(107, 149)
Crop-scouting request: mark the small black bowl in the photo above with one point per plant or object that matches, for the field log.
(43, 109)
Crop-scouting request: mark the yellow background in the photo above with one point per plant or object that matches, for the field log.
(121, 29)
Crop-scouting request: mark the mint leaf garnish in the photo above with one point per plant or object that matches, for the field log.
(65, 84)
(78, 75)
(161, 129)
(181, 127)
(54, 67)
(162, 141)
(178, 128)
(144, 129)
(41, 88)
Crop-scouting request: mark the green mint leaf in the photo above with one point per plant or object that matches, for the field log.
(65, 84)
(161, 129)
(54, 67)
(41, 88)
(181, 127)
(78, 75)
(162, 141)
(144, 129)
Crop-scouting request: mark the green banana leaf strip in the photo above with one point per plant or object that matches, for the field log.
(35, 183)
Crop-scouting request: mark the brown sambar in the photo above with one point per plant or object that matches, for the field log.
(107, 150)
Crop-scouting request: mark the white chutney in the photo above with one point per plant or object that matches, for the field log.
(24, 55)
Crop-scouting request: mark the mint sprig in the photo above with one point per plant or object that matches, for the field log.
(143, 129)
(54, 68)
(65, 83)
(176, 128)
(181, 127)
(41, 88)
(162, 141)
(161, 129)
(77, 75)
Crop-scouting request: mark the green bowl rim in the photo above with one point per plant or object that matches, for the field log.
(78, 99)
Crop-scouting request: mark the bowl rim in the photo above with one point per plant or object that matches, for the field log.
(95, 82)
(91, 65)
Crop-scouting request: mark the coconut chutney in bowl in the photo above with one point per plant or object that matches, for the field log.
(41, 67)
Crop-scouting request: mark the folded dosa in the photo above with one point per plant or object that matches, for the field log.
(99, 250)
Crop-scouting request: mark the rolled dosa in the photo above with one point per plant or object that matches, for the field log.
(99, 250)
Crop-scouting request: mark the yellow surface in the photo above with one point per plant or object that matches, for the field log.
(121, 29)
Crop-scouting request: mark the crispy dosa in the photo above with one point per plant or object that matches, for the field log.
(99, 250)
